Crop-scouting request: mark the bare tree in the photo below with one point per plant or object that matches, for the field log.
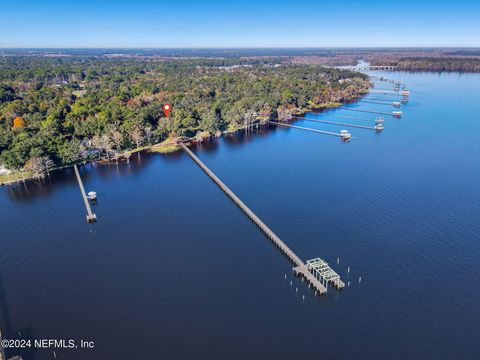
(117, 139)
(137, 135)
(148, 133)
(49, 164)
(249, 118)
(284, 115)
(102, 143)
(38, 166)
(198, 136)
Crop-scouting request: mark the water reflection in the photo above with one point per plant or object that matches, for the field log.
(40, 188)
(56, 180)
(9, 333)
(37, 188)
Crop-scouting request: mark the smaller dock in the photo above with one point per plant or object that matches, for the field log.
(91, 217)
(377, 127)
(385, 92)
(386, 100)
(377, 102)
(344, 134)
(354, 118)
(372, 112)
(385, 88)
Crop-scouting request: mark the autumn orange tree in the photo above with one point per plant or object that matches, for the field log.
(18, 122)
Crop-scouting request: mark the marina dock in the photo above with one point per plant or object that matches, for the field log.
(300, 268)
(91, 217)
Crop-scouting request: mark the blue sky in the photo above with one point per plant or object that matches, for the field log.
(148, 23)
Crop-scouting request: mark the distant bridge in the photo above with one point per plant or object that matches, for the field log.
(370, 67)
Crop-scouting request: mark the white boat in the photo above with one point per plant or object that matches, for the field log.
(345, 134)
(397, 113)
(396, 103)
(92, 195)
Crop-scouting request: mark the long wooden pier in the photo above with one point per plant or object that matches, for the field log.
(300, 267)
(344, 136)
(91, 217)
(376, 128)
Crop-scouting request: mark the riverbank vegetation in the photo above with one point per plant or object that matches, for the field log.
(61, 110)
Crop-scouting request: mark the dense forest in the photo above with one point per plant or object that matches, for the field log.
(60, 110)
(440, 64)
(450, 63)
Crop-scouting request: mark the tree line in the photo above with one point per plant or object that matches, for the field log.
(59, 111)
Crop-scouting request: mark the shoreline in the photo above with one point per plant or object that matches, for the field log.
(170, 145)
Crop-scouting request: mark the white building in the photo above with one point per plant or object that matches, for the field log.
(4, 170)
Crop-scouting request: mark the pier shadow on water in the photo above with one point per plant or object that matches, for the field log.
(38, 188)
(34, 189)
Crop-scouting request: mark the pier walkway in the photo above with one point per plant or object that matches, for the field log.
(300, 268)
(91, 217)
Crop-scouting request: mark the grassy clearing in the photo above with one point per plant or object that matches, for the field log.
(13, 177)
(165, 148)
(327, 105)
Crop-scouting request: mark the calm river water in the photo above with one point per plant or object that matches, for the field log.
(173, 270)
